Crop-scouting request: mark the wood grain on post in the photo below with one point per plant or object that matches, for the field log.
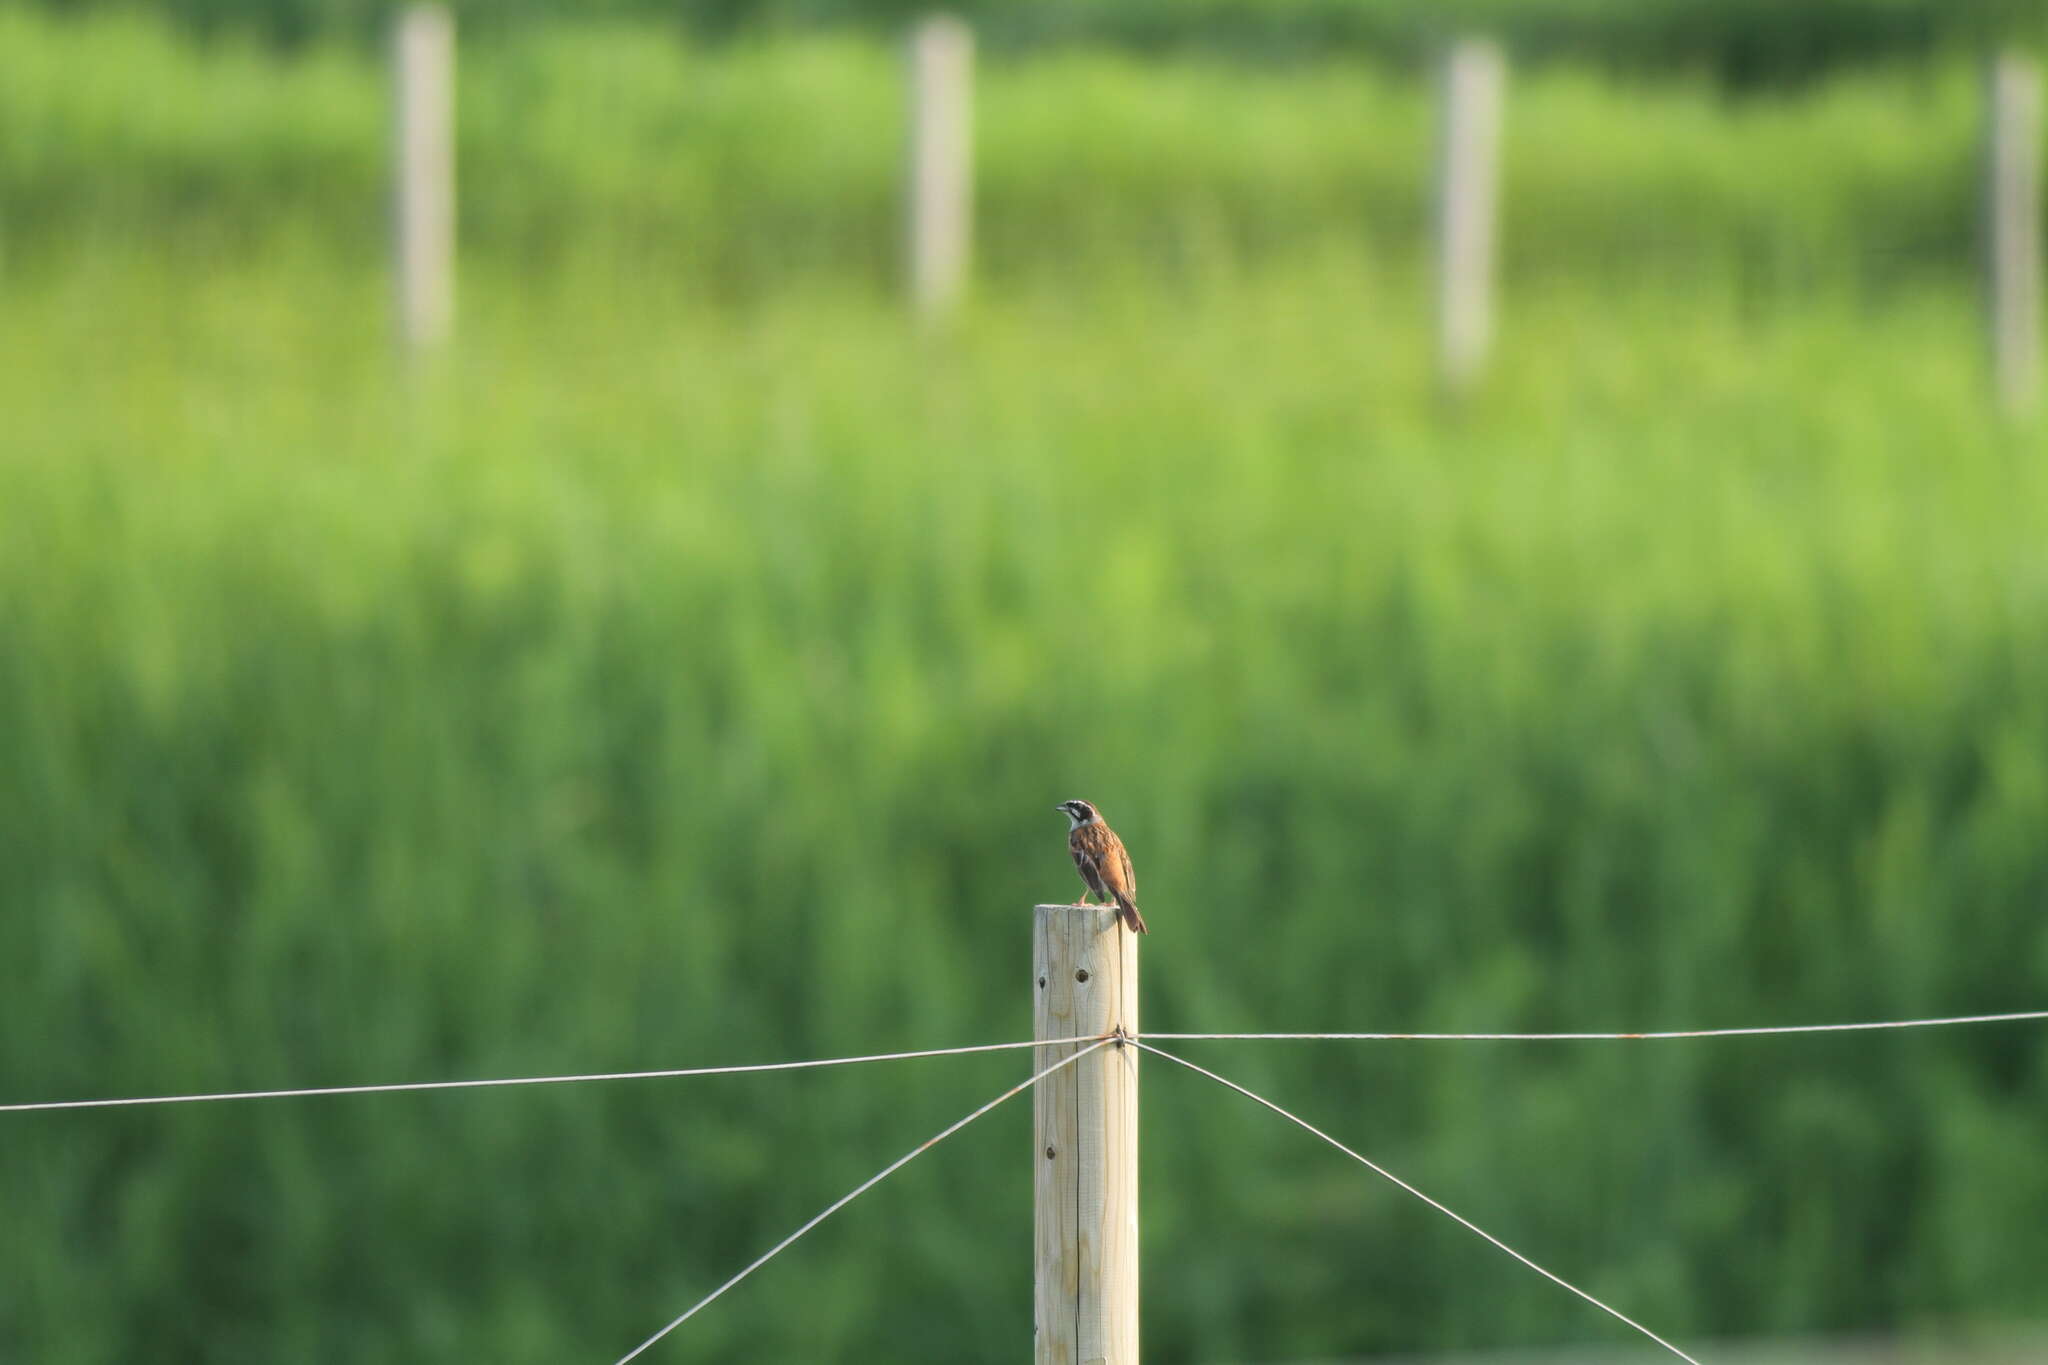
(940, 190)
(1085, 1126)
(1468, 176)
(2012, 228)
(423, 198)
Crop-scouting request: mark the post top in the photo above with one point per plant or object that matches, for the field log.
(1092, 921)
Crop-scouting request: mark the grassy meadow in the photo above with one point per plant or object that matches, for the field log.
(683, 670)
(736, 166)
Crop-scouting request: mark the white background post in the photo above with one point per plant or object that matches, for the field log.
(2012, 227)
(1085, 1128)
(1468, 169)
(423, 198)
(940, 191)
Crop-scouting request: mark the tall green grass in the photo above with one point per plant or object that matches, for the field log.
(1743, 42)
(681, 673)
(739, 164)
(662, 684)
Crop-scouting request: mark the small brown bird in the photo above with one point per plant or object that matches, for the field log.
(1100, 858)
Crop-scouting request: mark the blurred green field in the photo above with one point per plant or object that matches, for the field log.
(736, 165)
(1744, 43)
(684, 669)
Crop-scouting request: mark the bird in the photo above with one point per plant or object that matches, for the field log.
(1100, 858)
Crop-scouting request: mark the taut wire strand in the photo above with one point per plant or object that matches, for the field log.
(540, 1080)
(2014, 1017)
(1380, 1170)
(876, 1179)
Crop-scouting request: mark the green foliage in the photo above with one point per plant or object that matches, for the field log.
(741, 164)
(1744, 42)
(684, 672)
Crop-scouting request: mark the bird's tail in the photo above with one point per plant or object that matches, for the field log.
(1132, 919)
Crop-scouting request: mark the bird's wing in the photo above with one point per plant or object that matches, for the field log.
(1127, 880)
(1087, 860)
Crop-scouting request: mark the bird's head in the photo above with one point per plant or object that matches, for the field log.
(1078, 813)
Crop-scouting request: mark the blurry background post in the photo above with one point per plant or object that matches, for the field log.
(1468, 165)
(1085, 1125)
(423, 198)
(940, 191)
(2012, 212)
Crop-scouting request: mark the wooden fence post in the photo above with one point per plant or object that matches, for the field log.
(939, 195)
(1467, 179)
(423, 197)
(2012, 227)
(1085, 1131)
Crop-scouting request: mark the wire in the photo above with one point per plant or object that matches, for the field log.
(672, 1073)
(1587, 1037)
(538, 1080)
(1378, 1169)
(870, 1183)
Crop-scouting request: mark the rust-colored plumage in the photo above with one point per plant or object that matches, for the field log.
(1100, 858)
